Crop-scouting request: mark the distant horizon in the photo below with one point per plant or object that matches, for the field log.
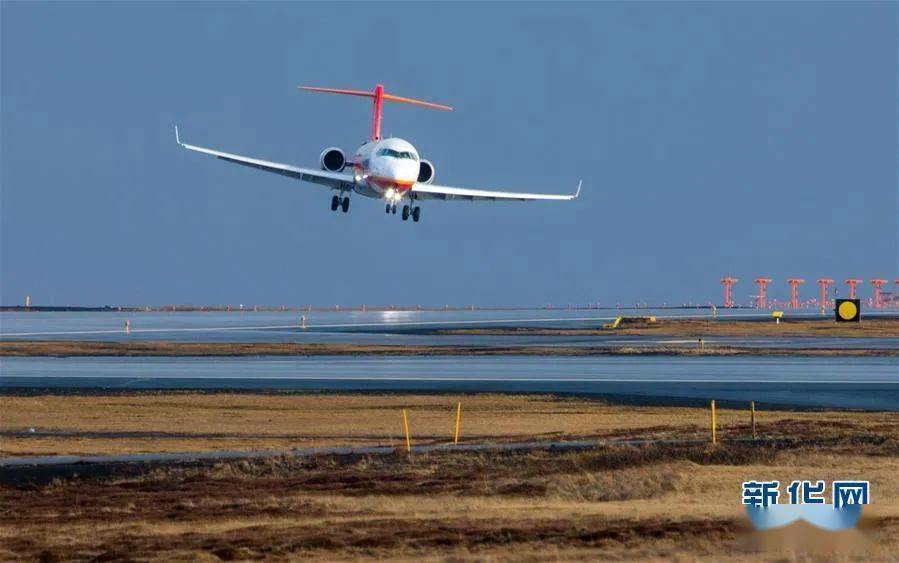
(809, 294)
(807, 303)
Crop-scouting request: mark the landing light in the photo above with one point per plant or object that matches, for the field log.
(390, 193)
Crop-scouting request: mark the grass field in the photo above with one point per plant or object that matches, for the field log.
(648, 501)
(150, 421)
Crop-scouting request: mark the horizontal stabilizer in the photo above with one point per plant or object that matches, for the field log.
(378, 95)
(374, 94)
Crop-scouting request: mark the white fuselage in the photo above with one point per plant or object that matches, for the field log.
(386, 168)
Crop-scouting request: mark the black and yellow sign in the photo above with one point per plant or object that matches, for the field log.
(847, 310)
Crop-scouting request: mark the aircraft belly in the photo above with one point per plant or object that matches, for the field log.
(365, 189)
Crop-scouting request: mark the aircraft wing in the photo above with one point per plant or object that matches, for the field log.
(331, 179)
(431, 191)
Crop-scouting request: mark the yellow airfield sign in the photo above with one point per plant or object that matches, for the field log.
(847, 310)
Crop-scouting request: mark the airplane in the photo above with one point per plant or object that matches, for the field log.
(389, 169)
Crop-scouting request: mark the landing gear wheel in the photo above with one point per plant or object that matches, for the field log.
(393, 209)
(335, 201)
(387, 209)
(405, 212)
(346, 204)
(416, 214)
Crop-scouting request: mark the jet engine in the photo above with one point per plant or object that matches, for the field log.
(425, 172)
(332, 159)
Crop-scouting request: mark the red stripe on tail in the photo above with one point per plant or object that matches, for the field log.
(378, 97)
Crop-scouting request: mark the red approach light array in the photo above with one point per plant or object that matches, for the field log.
(852, 282)
(794, 292)
(761, 301)
(728, 283)
(878, 296)
(824, 282)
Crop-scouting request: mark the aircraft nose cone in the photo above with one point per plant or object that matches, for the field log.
(404, 171)
(393, 171)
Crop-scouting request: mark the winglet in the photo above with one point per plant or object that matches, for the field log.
(578, 192)
(177, 138)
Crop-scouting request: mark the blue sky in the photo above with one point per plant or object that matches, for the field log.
(735, 138)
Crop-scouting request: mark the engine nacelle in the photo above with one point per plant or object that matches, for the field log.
(332, 159)
(425, 172)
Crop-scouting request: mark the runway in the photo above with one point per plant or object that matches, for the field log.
(866, 383)
(387, 327)
(863, 382)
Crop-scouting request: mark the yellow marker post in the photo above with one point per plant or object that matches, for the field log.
(777, 316)
(458, 422)
(713, 422)
(406, 427)
(752, 417)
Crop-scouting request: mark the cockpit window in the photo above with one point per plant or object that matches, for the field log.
(397, 154)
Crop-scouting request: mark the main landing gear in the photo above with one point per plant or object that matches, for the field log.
(415, 212)
(343, 202)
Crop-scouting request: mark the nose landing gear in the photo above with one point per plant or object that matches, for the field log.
(409, 209)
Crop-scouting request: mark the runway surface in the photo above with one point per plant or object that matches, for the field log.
(385, 327)
(866, 383)
(863, 382)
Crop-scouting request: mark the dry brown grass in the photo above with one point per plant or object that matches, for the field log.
(648, 502)
(619, 484)
(653, 501)
(182, 421)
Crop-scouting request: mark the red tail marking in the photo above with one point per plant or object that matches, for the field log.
(378, 97)
(415, 102)
(376, 113)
